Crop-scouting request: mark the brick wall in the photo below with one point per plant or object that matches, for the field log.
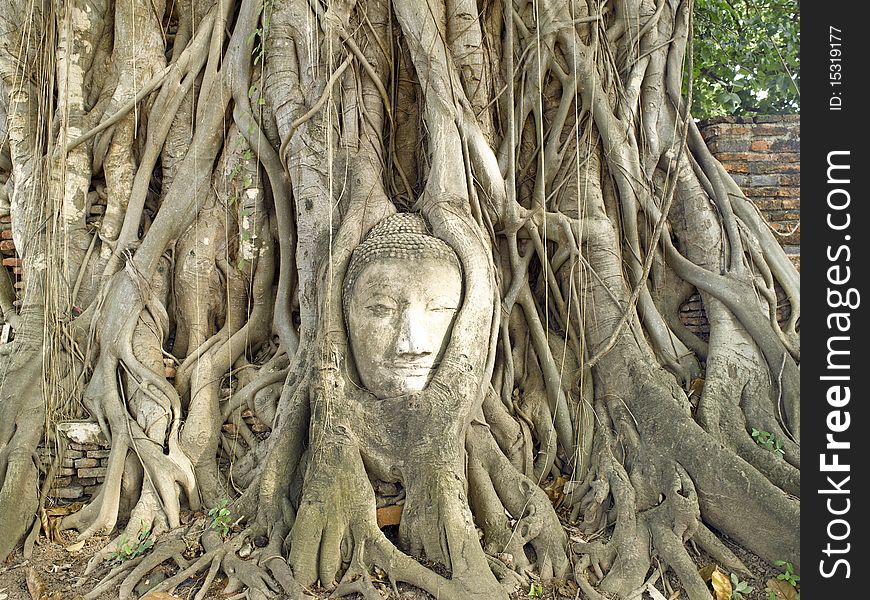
(8, 256)
(84, 459)
(762, 154)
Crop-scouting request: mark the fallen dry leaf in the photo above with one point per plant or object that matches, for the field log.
(721, 585)
(568, 588)
(782, 590)
(35, 584)
(77, 547)
(706, 572)
(159, 596)
(50, 519)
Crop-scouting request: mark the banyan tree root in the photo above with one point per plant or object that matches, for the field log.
(236, 154)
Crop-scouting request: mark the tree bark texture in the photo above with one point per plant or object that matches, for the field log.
(187, 182)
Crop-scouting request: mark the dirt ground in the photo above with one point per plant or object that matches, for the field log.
(62, 573)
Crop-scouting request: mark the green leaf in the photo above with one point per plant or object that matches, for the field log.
(750, 49)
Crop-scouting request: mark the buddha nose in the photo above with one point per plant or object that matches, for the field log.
(412, 338)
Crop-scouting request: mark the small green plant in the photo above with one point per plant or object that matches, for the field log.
(220, 517)
(788, 575)
(128, 549)
(739, 589)
(767, 440)
(536, 590)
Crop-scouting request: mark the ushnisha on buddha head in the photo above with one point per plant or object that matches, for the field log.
(401, 293)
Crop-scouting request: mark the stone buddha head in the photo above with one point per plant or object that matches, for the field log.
(401, 293)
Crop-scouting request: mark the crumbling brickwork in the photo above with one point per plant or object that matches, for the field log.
(763, 155)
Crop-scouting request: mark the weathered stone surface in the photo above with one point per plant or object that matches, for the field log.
(419, 311)
(92, 472)
(82, 433)
(68, 493)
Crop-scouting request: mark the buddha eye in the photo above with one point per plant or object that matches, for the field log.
(380, 310)
(441, 304)
(442, 309)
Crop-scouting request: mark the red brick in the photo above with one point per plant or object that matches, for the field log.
(776, 192)
(734, 156)
(765, 130)
(786, 146)
(7, 245)
(785, 157)
(736, 167)
(6, 234)
(768, 203)
(760, 146)
(763, 167)
(389, 515)
(12, 262)
(791, 203)
(728, 144)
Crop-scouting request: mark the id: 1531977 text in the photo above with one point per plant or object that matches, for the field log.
(835, 67)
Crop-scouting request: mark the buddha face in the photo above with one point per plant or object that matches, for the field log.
(399, 315)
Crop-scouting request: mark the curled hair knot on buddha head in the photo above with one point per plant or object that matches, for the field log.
(403, 236)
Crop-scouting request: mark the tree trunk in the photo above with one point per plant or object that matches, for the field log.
(243, 151)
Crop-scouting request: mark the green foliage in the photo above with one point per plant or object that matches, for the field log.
(220, 517)
(739, 589)
(746, 57)
(768, 440)
(788, 575)
(536, 590)
(128, 549)
(786, 585)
